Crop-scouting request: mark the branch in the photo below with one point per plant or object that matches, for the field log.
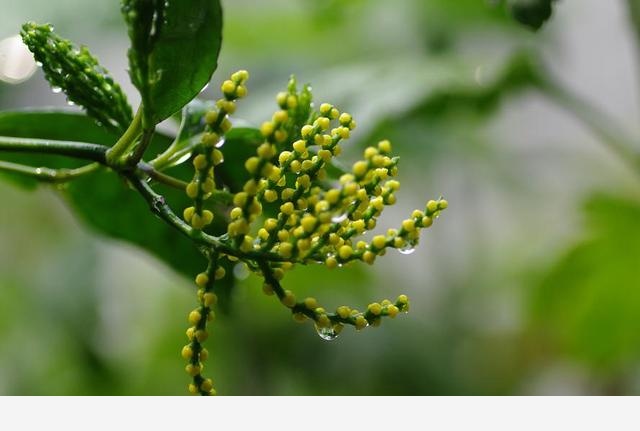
(330, 324)
(55, 176)
(159, 206)
(79, 150)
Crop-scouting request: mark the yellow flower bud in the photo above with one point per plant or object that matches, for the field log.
(206, 385)
(192, 190)
(270, 224)
(300, 146)
(280, 117)
(375, 309)
(289, 299)
(209, 299)
(201, 335)
(306, 131)
(285, 249)
(343, 311)
(267, 128)
(379, 242)
(287, 208)
(187, 214)
(207, 217)
(193, 370)
(311, 303)
(392, 311)
(369, 257)
(202, 279)
(194, 317)
(345, 252)
(432, 206)
(361, 322)
(204, 354)
(187, 352)
(331, 262)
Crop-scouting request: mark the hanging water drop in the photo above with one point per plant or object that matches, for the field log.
(327, 333)
(407, 249)
(220, 143)
(339, 218)
(56, 90)
(240, 271)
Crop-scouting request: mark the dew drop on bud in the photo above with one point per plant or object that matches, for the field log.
(339, 218)
(327, 334)
(407, 249)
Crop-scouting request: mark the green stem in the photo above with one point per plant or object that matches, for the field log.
(125, 141)
(159, 206)
(48, 175)
(140, 148)
(160, 177)
(598, 122)
(79, 150)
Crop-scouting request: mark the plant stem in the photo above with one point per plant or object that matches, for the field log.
(46, 174)
(159, 206)
(125, 141)
(160, 177)
(141, 147)
(79, 150)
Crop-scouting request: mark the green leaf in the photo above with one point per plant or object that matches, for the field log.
(174, 51)
(79, 75)
(532, 13)
(102, 199)
(588, 305)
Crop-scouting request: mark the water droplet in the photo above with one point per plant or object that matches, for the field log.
(240, 271)
(339, 218)
(220, 143)
(70, 103)
(406, 249)
(327, 334)
(39, 63)
(204, 88)
(38, 171)
(56, 90)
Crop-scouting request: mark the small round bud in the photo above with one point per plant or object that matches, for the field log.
(202, 279)
(375, 309)
(345, 252)
(392, 311)
(187, 352)
(343, 311)
(194, 317)
(360, 168)
(331, 262)
(187, 214)
(206, 385)
(209, 299)
(267, 129)
(192, 190)
(193, 370)
(432, 206)
(289, 299)
(408, 225)
(379, 242)
(384, 146)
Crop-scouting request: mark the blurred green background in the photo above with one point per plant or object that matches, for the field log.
(528, 284)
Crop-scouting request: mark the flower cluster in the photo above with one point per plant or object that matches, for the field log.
(290, 211)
